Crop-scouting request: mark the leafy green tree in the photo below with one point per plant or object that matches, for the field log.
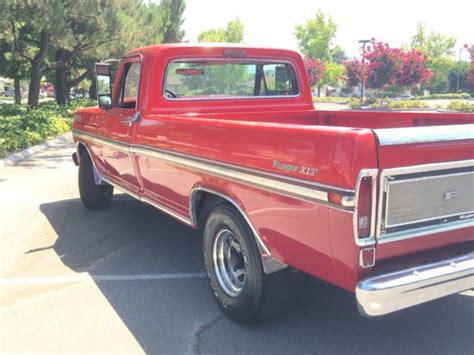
(12, 65)
(333, 74)
(338, 55)
(33, 26)
(61, 39)
(460, 70)
(439, 49)
(173, 20)
(83, 33)
(315, 37)
(233, 33)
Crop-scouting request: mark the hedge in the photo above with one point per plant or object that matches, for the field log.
(460, 96)
(22, 127)
(461, 106)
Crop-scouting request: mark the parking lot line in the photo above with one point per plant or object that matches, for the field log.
(99, 278)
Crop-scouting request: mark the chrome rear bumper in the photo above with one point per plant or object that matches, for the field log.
(391, 292)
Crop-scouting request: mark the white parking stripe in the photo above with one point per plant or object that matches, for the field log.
(99, 278)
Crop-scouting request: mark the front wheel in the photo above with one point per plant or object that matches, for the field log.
(235, 271)
(93, 196)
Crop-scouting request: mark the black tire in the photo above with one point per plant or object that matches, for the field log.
(94, 197)
(261, 296)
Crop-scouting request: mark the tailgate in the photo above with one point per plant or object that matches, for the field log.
(426, 181)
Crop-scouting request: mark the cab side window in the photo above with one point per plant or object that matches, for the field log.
(129, 86)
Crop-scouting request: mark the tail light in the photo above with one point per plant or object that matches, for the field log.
(364, 216)
(364, 207)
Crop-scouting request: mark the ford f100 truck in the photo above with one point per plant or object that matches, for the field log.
(226, 139)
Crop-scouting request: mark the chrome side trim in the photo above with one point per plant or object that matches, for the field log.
(370, 240)
(416, 232)
(125, 148)
(121, 188)
(394, 291)
(151, 202)
(168, 211)
(270, 264)
(297, 188)
(239, 176)
(424, 134)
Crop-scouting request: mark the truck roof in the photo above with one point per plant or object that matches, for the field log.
(215, 49)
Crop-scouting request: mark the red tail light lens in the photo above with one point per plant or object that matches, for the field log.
(364, 207)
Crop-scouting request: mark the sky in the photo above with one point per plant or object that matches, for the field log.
(271, 23)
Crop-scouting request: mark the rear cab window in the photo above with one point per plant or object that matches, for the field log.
(224, 79)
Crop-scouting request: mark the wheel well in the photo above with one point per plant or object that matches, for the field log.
(202, 205)
(203, 201)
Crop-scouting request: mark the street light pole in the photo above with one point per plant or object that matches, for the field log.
(364, 42)
(458, 71)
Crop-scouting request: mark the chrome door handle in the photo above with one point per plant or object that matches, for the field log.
(135, 118)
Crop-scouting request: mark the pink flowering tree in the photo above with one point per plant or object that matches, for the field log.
(314, 69)
(383, 67)
(353, 72)
(413, 70)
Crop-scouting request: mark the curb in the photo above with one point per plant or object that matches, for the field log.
(18, 157)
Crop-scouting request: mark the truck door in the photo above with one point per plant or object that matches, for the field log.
(117, 125)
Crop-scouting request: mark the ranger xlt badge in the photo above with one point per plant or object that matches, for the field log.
(305, 170)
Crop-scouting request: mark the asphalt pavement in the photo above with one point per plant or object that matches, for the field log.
(131, 280)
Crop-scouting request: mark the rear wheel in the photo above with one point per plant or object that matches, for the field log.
(93, 196)
(235, 270)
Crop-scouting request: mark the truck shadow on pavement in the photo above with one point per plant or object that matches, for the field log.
(181, 316)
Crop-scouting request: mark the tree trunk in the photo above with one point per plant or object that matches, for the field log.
(319, 91)
(60, 84)
(37, 65)
(34, 87)
(16, 81)
(93, 87)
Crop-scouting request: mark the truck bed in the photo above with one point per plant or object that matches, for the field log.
(349, 118)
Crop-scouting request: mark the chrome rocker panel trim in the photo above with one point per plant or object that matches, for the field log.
(398, 290)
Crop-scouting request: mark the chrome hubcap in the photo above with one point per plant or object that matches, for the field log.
(230, 262)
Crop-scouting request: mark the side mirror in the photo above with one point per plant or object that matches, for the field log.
(104, 85)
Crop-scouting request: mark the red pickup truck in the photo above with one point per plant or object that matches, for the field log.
(226, 138)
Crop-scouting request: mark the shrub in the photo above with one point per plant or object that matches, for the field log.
(461, 106)
(443, 96)
(331, 99)
(406, 104)
(354, 103)
(22, 127)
